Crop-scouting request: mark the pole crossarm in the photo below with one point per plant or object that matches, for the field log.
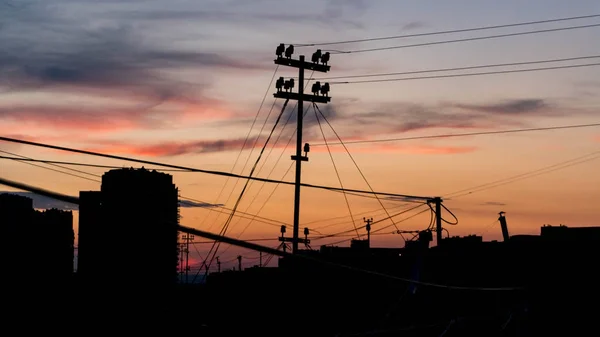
(300, 240)
(283, 61)
(305, 97)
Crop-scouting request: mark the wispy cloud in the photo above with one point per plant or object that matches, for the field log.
(90, 119)
(109, 117)
(413, 25)
(174, 148)
(329, 13)
(112, 57)
(166, 149)
(404, 117)
(516, 107)
(401, 117)
(41, 202)
(51, 50)
(385, 121)
(493, 203)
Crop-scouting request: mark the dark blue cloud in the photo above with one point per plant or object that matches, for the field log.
(512, 107)
(42, 202)
(46, 46)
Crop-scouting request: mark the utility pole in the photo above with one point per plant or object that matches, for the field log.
(239, 258)
(187, 238)
(368, 227)
(218, 265)
(283, 239)
(319, 63)
(260, 259)
(438, 219)
(181, 247)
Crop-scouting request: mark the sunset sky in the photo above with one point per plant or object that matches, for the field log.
(181, 82)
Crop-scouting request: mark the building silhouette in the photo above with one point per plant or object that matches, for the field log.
(93, 259)
(452, 289)
(54, 245)
(36, 246)
(128, 229)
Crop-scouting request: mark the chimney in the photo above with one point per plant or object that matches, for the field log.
(504, 227)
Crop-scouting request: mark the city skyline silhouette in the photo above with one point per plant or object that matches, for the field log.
(373, 168)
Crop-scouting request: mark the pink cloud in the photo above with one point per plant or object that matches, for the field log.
(430, 149)
(108, 119)
(209, 146)
(170, 148)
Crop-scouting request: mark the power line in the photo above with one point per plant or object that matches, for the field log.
(82, 177)
(226, 225)
(85, 164)
(244, 144)
(263, 205)
(348, 192)
(275, 165)
(355, 164)
(380, 229)
(51, 169)
(407, 218)
(336, 171)
(448, 135)
(316, 260)
(62, 148)
(272, 222)
(579, 160)
(463, 40)
(377, 211)
(247, 240)
(460, 68)
(262, 166)
(250, 154)
(25, 160)
(55, 165)
(470, 74)
(253, 246)
(289, 168)
(449, 31)
(378, 221)
(339, 265)
(377, 232)
(251, 216)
